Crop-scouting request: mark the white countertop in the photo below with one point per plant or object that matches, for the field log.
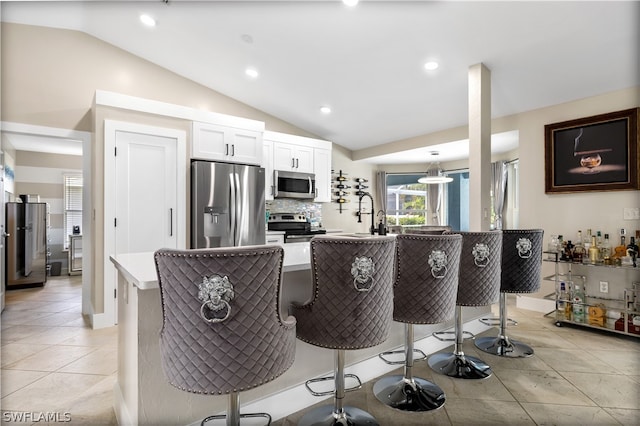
(140, 270)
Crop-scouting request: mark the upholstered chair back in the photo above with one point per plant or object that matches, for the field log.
(521, 260)
(352, 302)
(221, 328)
(426, 284)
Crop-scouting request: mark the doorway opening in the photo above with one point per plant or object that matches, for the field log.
(34, 162)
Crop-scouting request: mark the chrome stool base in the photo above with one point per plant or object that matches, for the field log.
(327, 416)
(503, 346)
(413, 394)
(459, 366)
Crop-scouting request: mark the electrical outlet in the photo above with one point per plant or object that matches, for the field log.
(631, 213)
(604, 286)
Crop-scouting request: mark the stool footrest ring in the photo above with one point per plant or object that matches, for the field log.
(382, 356)
(496, 321)
(308, 383)
(248, 415)
(438, 334)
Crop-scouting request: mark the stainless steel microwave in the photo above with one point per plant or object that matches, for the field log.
(294, 185)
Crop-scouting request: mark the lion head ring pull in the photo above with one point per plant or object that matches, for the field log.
(438, 262)
(480, 254)
(523, 245)
(362, 270)
(215, 293)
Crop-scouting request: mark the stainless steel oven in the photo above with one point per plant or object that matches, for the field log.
(294, 185)
(295, 226)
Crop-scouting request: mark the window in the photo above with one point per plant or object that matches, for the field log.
(457, 201)
(406, 200)
(72, 204)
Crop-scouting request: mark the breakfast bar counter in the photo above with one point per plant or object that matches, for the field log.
(142, 396)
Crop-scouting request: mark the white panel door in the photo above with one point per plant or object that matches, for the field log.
(146, 182)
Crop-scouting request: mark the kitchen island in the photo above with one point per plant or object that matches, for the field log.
(143, 397)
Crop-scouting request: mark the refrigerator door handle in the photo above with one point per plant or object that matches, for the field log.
(171, 222)
(233, 207)
(239, 206)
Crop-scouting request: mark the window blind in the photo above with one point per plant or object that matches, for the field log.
(72, 204)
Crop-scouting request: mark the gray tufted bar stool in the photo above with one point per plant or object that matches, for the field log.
(479, 285)
(351, 308)
(424, 292)
(521, 269)
(221, 331)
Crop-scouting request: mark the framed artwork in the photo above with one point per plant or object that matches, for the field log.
(598, 153)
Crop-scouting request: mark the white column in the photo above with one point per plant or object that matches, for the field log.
(479, 148)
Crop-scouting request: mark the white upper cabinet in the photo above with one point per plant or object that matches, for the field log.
(295, 158)
(299, 154)
(322, 170)
(218, 142)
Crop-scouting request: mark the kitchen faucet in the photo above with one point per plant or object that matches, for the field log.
(373, 228)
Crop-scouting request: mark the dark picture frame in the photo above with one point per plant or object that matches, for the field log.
(598, 153)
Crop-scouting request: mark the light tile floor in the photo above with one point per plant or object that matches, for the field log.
(52, 362)
(577, 376)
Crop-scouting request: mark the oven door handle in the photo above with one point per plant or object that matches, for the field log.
(298, 238)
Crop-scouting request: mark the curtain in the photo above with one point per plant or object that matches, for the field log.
(381, 191)
(499, 186)
(433, 194)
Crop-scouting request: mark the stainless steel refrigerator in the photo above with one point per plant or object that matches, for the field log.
(227, 205)
(26, 244)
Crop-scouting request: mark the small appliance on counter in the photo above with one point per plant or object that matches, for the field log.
(296, 227)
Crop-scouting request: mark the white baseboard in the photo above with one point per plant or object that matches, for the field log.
(535, 304)
(100, 321)
(120, 408)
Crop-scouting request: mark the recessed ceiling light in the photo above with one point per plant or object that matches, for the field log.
(431, 65)
(251, 72)
(350, 3)
(147, 20)
(325, 110)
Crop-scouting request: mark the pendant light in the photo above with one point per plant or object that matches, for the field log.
(434, 174)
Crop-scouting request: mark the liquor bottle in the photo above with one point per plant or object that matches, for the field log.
(341, 186)
(605, 250)
(632, 250)
(568, 251)
(562, 302)
(342, 201)
(599, 238)
(341, 193)
(360, 180)
(577, 300)
(587, 242)
(621, 250)
(341, 178)
(594, 251)
(579, 252)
